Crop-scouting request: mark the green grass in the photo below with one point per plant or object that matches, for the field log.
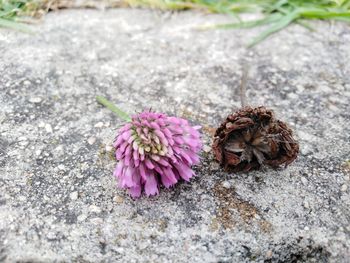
(277, 14)
(10, 10)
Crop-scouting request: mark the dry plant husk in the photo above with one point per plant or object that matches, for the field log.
(253, 137)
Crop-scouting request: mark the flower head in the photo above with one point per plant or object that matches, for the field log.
(155, 149)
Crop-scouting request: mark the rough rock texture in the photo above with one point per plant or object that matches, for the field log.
(58, 200)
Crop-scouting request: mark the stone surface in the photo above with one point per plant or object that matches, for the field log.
(58, 200)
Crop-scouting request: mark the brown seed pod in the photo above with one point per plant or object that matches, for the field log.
(252, 137)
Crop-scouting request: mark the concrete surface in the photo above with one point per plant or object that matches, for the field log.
(58, 201)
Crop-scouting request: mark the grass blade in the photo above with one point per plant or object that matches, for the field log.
(14, 25)
(249, 24)
(306, 25)
(282, 23)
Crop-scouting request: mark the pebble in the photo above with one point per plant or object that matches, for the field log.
(96, 221)
(306, 204)
(73, 195)
(292, 96)
(59, 151)
(61, 167)
(144, 245)
(35, 100)
(91, 140)
(343, 188)
(23, 143)
(118, 199)
(26, 83)
(84, 166)
(269, 254)
(81, 217)
(94, 209)
(226, 184)
(109, 148)
(48, 128)
(304, 180)
(22, 138)
(51, 235)
(215, 165)
(99, 125)
(206, 148)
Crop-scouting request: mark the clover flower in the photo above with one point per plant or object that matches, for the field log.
(154, 149)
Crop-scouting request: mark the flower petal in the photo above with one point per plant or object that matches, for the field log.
(184, 171)
(151, 185)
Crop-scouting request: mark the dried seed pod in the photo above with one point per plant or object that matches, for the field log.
(252, 137)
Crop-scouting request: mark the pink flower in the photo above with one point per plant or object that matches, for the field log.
(155, 149)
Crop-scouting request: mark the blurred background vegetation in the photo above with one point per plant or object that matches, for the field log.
(276, 14)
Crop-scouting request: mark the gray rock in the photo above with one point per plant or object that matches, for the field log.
(35, 99)
(48, 128)
(143, 59)
(73, 195)
(91, 140)
(344, 187)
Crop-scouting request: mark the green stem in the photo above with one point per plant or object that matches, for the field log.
(121, 114)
